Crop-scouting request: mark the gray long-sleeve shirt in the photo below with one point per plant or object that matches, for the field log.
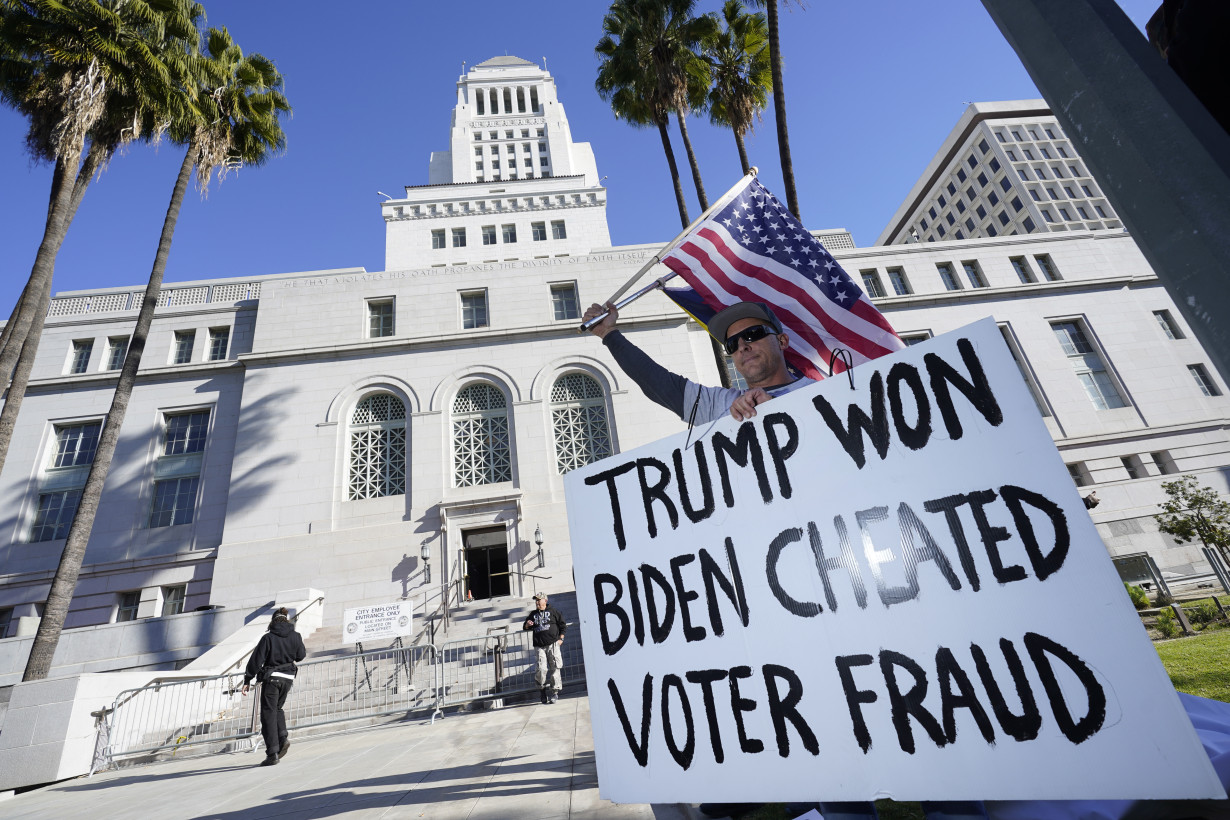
(674, 392)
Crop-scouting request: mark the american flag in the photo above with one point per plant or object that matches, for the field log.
(754, 250)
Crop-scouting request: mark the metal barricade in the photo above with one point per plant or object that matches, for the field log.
(503, 663)
(172, 714)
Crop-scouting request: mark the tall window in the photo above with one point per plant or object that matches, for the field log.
(219, 339)
(481, 446)
(130, 604)
(974, 274)
(1165, 462)
(557, 228)
(379, 318)
(182, 352)
(1019, 358)
(509, 232)
(578, 414)
(1206, 383)
(1022, 270)
(1134, 465)
(489, 234)
(6, 618)
(872, 284)
(117, 349)
(80, 359)
(1167, 323)
(950, 281)
(538, 230)
(178, 469)
(437, 239)
(459, 237)
(1080, 474)
(474, 309)
(63, 479)
(1088, 364)
(564, 301)
(378, 447)
(901, 285)
(173, 599)
(1048, 267)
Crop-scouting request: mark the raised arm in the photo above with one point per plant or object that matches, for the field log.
(659, 384)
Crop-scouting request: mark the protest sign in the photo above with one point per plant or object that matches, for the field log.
(376, 623)
(890, 590)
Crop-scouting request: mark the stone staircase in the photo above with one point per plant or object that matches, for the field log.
(337, 688)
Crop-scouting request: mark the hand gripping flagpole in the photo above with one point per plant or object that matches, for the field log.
(722, 201)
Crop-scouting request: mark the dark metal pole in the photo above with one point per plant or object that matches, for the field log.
(1159, 155)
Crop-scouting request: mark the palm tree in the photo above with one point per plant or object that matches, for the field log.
(78, 70)
(659, 41)
(624, 82)
(738, 58)
(235, 122)
(779, 108)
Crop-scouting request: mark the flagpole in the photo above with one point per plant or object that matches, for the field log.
(670, 246)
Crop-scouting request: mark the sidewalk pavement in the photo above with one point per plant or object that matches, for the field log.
(534, 762)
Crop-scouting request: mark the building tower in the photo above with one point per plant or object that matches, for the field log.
(512, 185)
(1006, 168)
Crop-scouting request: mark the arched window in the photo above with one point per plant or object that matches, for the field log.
(578, 414)
(481, 452)
(378, 448)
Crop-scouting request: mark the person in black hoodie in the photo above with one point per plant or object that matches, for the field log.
(549, 627)
(273, 664)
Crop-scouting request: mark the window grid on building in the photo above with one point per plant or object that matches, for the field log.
(6, 619)
(377, 448)
(481, 443)
(55, 514)
(185, 433)
(1164, 461)
(437, 239)
(489, 237)
(219, 340)
(578, 416)
(129, 606)
(117, 349)
(1167, 323)
(1080, 476)
(173, 599)
(183, 346)
(1022, 269)
(538, 231)
(174, 501)
(872, 284)
(474, 309)
(1206, 383)
(557, 229)
(510, 233)
(950, 281)
(974, 274)
(80, 362)
(901, 285)
(1089, 366)
(1134, 466)
(76, 444)
(380, 318)
(1048, 267)
(564, 301)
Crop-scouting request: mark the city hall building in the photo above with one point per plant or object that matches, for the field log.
(327, 429)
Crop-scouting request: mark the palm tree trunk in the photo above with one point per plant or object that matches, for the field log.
(747, 166)
(687, 145)
(28, 325)
(779, 112)
(38, 665)
(7, 335)
(684, 219)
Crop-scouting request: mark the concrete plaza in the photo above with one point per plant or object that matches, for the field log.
(529, 761)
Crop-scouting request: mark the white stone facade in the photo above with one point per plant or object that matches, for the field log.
(354, 416)
(1006, 168)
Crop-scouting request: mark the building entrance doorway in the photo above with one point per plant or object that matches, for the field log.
(486, 555)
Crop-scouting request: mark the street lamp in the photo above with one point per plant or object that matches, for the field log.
(425, 554)
(542, 559)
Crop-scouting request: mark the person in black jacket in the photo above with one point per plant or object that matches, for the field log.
(549, 627)
(273, 665)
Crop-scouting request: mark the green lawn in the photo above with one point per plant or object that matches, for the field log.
(1199, 665)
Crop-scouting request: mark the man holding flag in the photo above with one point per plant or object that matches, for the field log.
(752, 336)
(769, 292)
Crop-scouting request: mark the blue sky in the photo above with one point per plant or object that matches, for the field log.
(872, 89)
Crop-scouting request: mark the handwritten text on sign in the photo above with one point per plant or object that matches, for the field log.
(891, 590)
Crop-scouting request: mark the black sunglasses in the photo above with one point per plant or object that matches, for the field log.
(749, 334)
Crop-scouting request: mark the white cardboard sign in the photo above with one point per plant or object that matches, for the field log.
(380, 622)
(893, 590)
